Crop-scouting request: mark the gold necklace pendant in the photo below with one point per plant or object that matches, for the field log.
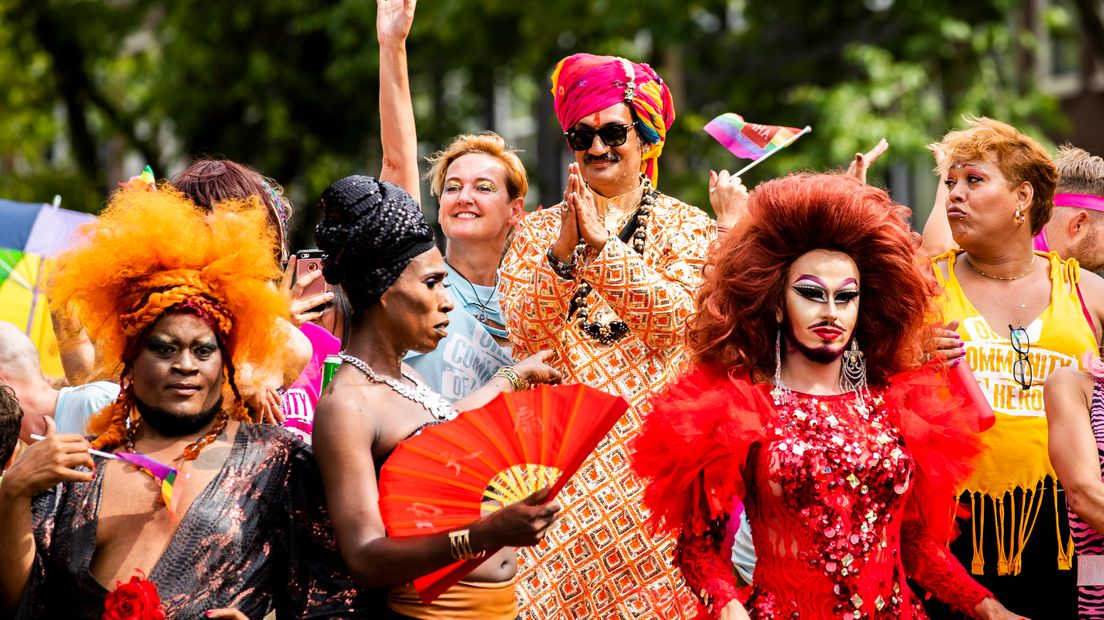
(981, 273)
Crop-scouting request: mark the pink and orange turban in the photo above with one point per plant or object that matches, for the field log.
(583, 84)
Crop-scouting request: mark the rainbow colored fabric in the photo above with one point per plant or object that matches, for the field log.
(30, 234)
(163, 474)
(144, 180)
(583, 84)
(748, 140)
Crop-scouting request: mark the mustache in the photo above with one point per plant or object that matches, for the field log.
(826, 324)
(610, 157)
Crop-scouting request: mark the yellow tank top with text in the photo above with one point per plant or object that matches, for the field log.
(1015, 454)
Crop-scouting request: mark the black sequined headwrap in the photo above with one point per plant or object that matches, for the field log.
(370, 231)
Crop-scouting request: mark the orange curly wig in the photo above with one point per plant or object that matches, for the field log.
(745, 278)
(152, 251)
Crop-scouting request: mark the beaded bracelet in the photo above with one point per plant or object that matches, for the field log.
(564, 270)
(510, 374)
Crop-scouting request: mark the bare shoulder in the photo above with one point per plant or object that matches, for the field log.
(344, 413)
(1068, 376)
(1065, 386)
(1092, 289)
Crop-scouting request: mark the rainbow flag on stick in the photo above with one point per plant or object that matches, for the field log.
(751, 140)
(163, 474)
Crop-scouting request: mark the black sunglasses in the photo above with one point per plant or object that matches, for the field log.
(612, 135)
(1021, 369)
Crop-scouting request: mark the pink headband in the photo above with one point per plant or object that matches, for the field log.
(1080, 201)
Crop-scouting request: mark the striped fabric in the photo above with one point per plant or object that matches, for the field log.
(1089, 542)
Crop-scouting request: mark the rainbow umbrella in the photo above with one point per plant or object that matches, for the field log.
(29, 234)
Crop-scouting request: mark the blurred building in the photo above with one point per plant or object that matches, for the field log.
(1068, 61)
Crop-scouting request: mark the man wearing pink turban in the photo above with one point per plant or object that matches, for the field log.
(607, 279)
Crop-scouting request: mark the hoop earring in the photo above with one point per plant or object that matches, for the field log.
(1020, 216)
(853, 376)
(781, 394)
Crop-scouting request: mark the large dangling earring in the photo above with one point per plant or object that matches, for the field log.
(781, 394)
(853, 376)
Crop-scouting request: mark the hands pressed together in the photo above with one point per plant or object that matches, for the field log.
(579, 219)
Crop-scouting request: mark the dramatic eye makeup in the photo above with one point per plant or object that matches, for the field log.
(843, 297)
(205, 350)
(811, 288)
(811, 292)
(160, 345)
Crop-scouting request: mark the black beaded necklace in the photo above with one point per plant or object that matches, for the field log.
(635, 230)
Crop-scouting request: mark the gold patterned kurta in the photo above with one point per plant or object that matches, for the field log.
(598, 560)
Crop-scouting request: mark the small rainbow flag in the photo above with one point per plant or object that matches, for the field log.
(163, 474)
(145, 180)
(750, 140)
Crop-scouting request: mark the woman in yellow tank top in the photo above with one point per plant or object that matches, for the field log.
(1020, 314)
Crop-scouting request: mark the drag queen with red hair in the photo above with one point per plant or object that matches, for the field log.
(806, 406)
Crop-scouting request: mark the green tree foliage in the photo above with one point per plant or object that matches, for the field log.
(290, 86)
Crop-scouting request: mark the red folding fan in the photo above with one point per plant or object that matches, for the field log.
(454, 473)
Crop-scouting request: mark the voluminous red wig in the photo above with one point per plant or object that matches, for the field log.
(745, 278)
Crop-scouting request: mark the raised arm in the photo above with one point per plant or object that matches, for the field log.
(937, 230)
(78, 355)
(397, 131)
(344, 433)
(1073, 450)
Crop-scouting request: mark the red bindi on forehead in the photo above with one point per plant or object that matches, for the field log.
(617, 114)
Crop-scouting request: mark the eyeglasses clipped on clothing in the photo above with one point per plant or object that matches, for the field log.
(1021, 368)
(581, 138)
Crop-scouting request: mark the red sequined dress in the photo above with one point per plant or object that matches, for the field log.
(846, 498)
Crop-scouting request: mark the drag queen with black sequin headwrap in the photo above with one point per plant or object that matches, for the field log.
(380, 250)
(805, 403)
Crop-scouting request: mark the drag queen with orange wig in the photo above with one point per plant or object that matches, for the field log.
(176, 299)
(806, 406)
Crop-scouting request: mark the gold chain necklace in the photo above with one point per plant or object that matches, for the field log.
(981, 273)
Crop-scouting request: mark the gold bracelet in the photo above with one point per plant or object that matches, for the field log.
(460, 546)
(511, 375)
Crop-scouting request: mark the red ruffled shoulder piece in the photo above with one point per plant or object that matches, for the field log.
(693, 445)
(940, 420)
